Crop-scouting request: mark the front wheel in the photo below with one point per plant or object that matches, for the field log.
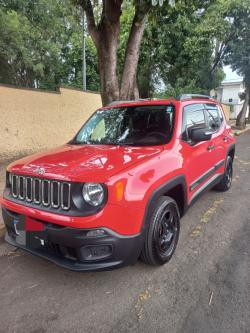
(226, 181)
(163, 232)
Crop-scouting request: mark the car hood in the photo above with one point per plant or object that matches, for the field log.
(82, 163)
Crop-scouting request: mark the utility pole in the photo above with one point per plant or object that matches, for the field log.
(83, 52)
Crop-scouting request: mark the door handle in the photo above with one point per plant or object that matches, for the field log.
(210, 147)
(225, 139)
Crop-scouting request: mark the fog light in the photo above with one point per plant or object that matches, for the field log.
(96, 252)
(95, 233)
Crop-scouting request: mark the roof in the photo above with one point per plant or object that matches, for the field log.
(232, 81)
(174, 101)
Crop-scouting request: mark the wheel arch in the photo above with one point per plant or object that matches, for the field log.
(231, 151)
(175, 188)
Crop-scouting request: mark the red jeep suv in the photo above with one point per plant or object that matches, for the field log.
(116, 191)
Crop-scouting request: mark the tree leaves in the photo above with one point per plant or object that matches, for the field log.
(41, 45)
(184, 46)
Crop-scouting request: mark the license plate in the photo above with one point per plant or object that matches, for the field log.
(20, 233)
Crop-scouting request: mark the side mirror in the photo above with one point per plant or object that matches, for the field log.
(214, 124)
(200, 134)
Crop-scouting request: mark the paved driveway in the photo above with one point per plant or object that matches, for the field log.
(205, 287)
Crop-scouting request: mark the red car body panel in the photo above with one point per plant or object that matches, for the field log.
(82, 163)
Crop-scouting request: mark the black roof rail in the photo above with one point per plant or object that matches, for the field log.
(129, 101)
(192, 96)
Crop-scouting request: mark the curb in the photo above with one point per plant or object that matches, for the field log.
(239, 132)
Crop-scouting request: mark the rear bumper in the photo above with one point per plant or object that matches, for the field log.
(71, 248)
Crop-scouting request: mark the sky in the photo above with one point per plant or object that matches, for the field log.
(230, 75)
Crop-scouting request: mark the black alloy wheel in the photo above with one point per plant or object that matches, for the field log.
(163, 232)
(226, 181)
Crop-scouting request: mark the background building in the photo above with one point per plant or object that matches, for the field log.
(228, 92)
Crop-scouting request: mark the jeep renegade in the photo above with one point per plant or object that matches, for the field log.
(117, 190)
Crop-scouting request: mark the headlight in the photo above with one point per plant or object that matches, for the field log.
(93, 193)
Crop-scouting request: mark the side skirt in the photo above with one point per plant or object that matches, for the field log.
(205, 187)
(206, 175)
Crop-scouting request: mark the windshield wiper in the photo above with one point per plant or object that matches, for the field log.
(74, 142)
(125, 143)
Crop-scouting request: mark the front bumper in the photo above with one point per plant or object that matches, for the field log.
(69, 247)
(122, 219)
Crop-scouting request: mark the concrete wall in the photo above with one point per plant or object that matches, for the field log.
(226, 109)
(32, 120)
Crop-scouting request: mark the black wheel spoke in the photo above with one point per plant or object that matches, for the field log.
(163, 232)
(167, 231)
(229, 174)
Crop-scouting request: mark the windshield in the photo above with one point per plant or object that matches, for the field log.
(133, 125)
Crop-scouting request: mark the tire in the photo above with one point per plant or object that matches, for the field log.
(226, 182)
(163, 232)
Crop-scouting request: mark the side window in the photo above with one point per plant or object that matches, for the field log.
(193, 117)
(215, 117)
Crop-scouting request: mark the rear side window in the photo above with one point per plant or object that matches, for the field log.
(215, 117)
(193, 117)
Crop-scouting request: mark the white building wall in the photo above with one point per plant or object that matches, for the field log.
(230, 93)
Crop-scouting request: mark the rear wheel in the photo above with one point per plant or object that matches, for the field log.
(163, 232)
(226, 182)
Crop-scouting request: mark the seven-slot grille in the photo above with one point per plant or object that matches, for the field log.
(48, 193)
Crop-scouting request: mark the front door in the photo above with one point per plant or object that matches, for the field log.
(198, 158)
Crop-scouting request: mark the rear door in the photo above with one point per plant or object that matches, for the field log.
(198, 160)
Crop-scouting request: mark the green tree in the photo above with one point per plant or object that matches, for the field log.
(238, 53)
(185, 45)
(74, 63)
(18, 64)
(178, 50)
(103, 19)
(41, 45)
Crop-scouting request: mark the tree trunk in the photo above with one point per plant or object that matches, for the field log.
(106, 38)
(135, 94)
(248, 120)
(132, 54)
(107, 58)
(241, 119)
